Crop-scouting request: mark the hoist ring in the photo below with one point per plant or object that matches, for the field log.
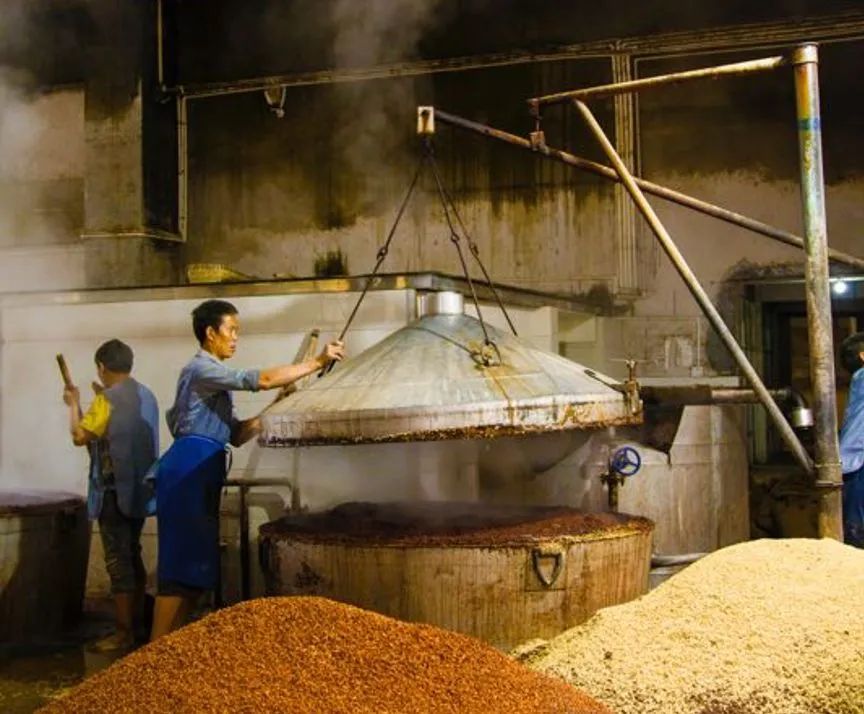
(488, 355)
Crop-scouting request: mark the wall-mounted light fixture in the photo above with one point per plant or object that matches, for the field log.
(839, 287)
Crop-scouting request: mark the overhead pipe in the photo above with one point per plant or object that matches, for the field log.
(655, 189)
(661, 80)
(706, 395)
(836, 27)
(800, 414)
(698, 292)
(818, 292)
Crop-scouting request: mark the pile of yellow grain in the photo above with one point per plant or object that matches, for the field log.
(767, 626)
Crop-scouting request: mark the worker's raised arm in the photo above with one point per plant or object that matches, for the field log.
(92, 425)
(288, 373)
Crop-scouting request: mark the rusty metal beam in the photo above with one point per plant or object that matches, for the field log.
(638, 85)
(818, 293)
(667, 194)
(698, 292)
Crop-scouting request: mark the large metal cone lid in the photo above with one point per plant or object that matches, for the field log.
(427, 381)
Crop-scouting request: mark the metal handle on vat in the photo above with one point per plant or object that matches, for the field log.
(540, 554)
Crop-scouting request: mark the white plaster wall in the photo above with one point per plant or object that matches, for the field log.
(35, 450)
(697, 495)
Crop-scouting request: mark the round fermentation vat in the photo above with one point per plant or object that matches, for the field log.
(502, 574)
(44, 544)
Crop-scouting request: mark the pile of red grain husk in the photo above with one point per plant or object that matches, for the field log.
(307, 654)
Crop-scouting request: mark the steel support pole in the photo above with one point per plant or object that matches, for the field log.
(818, 293)
(692, 282)
(667, 194)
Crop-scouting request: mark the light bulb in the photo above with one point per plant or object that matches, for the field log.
(840, 287)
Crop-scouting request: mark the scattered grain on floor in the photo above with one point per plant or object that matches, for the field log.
(767, 626)
(304, 654)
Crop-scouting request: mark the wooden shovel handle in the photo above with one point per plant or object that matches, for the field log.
(64, 371)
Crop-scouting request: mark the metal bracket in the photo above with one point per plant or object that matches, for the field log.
(631, 387)
(486, 355)
(275, 98)
(557, 556)
(425, 121)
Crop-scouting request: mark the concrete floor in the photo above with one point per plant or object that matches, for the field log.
(34, 673)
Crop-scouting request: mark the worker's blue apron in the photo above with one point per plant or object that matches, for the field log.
(189, 481)
(853, 508)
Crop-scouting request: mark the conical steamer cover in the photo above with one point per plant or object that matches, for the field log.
(426, 381)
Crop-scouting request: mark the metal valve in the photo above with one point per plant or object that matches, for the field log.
(626, 461)
(623, 464)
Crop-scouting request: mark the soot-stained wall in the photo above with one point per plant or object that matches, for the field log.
(270, 196)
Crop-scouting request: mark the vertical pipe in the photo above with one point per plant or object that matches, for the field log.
(697, 290)
(245, 588)
(160, 61)
(818, 293)
(182, 168)
(625, 212)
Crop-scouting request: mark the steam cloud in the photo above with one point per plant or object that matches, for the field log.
(373, 33)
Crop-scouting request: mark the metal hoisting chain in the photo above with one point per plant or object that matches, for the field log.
(455, 239)
(490, 353)
(382, 253)
(472, 246)
(485, 357)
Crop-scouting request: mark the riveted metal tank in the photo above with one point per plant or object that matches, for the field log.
(504, 574)
(441, 378)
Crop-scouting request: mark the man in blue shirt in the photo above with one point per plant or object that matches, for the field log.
(190, 474)
(852, 442)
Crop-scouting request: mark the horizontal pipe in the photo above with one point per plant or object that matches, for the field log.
(661, 80)
(253, 482)
(748, 396)
(665, 561)
(668, 194)
(838, 27)
(703, 395)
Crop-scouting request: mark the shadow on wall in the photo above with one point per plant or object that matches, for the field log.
(783, 503)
